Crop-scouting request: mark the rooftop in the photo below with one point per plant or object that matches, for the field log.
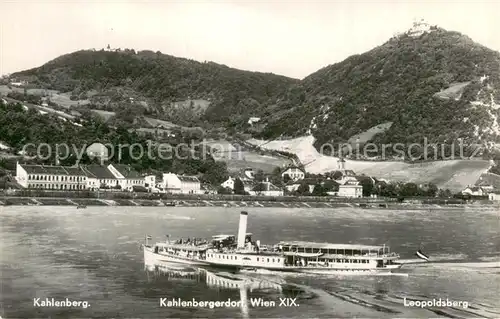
(53, 170)
(98, 171)
(192, 179)
(126, 170)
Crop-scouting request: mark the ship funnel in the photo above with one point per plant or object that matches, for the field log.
(242, 230)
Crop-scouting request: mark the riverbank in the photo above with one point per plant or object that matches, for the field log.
(75, 202)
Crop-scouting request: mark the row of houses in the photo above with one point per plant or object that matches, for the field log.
(346, 180)
(482, 190)
(95, 177)
(91, 177)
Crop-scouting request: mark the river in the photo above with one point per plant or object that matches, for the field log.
(94, 255)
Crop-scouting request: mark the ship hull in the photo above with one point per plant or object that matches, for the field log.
(311, 270)
(150, 257)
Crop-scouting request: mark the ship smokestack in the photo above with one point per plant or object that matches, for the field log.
(242, 230)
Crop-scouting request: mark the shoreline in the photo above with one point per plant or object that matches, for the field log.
(75, 202)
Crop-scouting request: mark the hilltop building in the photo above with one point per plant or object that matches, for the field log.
(418, 28)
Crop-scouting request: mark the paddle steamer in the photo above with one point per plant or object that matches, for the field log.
(289, 256)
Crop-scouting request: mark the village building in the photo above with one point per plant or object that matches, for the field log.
(253, 120)
(495, 196)
(475, 191)
(150, 181)
(248, 173)
(294, 173)
(293, 186)
(181, 184)
(51, 177)
(127, 177)
(247, 184)
(266, 189)
(99, 177)
(350, 189)
(90, 177)
(485, 186)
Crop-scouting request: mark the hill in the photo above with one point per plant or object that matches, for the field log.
(148, 83)
(452, 174)
(438, 85)
(427, 85)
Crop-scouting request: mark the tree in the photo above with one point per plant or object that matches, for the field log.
(319, 190)
(259, 188)
(214, 172)
(303, 189)
(275, 177)
(432, 190)
(444, 193)
(286, 178)
(331, 186)
(239, 187)
(368, 187)
(223, 190)
(409, 190)
(259, 176)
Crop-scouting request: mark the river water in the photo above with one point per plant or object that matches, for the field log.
(93, 255)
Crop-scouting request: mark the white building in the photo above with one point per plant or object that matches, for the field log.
(150, 181)
(294, 173)
(253, 120)
(494, 196)
(474, 191)
(350, 189)
(249, 173)
(51, 177)
(181, 184)
(100, 177)
(127, 177)
(91, 177)
(419, 28)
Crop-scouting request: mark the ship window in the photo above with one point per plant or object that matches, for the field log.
(257, 258)
(235, 257)
(267, 259)
(273, 259)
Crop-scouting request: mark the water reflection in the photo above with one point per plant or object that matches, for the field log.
(216, 280)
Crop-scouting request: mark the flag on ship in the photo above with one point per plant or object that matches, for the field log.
(149, 237)
(421, 255)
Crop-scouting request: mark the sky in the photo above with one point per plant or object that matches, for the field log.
(292, 38)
